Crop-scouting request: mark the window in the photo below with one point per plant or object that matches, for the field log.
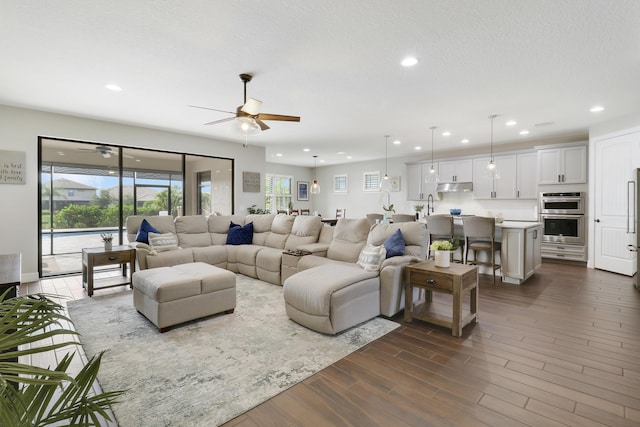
(277, 192)
(204, 192)
(371, 181)
(340, 184)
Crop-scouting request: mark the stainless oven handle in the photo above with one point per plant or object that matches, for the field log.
(631, 186)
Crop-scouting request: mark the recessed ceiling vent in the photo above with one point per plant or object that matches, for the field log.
(544, 124)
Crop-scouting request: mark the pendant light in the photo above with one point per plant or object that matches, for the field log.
(433, 171)
(315, 187)
(492, 164)
(385, 184)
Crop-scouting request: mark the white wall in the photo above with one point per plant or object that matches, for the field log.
(19, 131)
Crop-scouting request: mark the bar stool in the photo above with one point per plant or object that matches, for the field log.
(480, 236)
(440, 227)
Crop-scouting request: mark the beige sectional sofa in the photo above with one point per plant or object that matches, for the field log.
(202, 239)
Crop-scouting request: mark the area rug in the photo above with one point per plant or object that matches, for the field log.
(207, 372)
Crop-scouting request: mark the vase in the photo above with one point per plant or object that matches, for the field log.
(443, 259)
(108, 246)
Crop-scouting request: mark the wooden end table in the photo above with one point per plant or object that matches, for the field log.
(94, 257)
(455, 280)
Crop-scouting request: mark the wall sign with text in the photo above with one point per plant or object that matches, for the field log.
(13, 165)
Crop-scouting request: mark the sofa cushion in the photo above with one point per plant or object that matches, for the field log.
(240, 235)
(280, 229)
(192, 231)
(163, 224)
(349, 237)
(371, 257)
(144, 230)
(219, 227)
(261, 227)
(166, 284)
(394, 244)
(305, 231)
(414, 234)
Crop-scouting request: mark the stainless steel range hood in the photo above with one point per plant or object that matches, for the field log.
(447, 187)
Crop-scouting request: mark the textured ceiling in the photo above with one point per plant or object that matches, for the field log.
(334, 63)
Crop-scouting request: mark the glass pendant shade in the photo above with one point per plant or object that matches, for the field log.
(246, 126)
(315, 186)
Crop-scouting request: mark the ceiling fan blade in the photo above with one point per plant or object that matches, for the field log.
(211, 109)
(215, 122)
(262, 124)
(252, 106)
(266, 116)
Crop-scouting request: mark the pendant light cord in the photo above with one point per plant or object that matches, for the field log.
(433, 128)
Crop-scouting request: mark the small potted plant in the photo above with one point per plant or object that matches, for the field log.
(442, 249)
(418, 209)
(107, 238)
(388, 209)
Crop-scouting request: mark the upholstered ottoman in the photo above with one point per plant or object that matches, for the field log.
(168, 296)
(332, 298)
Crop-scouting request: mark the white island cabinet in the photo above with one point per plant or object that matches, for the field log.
(521, 250)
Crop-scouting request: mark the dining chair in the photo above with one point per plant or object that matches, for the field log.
(341, 213)
(480, 236)
(305, 212)
(403, 218)
(294, 212)
(441, 227)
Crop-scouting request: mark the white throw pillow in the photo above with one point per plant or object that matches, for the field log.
(371, 257)
(163, 242)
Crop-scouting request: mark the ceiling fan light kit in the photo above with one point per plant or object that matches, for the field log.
(248, 119)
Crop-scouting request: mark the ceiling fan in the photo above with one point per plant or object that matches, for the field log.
(251, 121)
(104, 151)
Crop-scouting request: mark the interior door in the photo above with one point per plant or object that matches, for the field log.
(616, 162)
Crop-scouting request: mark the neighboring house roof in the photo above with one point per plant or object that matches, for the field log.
(143, 194)
(65, 183)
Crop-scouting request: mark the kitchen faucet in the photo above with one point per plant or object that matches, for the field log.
(429, 203)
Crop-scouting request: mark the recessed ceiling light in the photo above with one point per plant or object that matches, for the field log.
(278, 154)
(340, 152)
(113, 87)
(596, 109)
(446, 133)
(524, 132)
(138, 160)
(321, 161)
(397, 142)
(60, 153)
(217, 171)
(465, 141)
(417, 148)
(306, 150)
(349, 157)
(409, 61)
(511, 123)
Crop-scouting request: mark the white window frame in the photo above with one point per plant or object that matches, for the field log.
(371, 182)
(341, 183)
(278, 201)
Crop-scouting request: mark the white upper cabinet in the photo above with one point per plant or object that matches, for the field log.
(456, 171)
(499, 184)
(527, 176)
(566, 165)
(419, 184)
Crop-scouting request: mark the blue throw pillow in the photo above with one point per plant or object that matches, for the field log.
(394, 244)
(144, 230)
(240, 235)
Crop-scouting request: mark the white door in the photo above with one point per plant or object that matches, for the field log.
(616, 162)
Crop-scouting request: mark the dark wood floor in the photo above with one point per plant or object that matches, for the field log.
(562, 349)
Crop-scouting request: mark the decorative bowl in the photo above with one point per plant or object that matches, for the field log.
(455, 211)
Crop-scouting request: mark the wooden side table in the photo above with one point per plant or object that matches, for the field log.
(94, 257)
(455, 280)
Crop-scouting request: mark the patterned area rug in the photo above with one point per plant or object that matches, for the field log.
(207, 372)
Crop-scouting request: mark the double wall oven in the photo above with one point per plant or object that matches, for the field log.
(562, 216)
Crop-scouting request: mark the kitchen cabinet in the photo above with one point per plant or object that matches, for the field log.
(566, 165)
(521, 251)
(526, 176)
(499, 184)
(418, 185)
(456, 170)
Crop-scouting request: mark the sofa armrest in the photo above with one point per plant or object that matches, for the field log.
(399, 261)
(142, 250)
(318, 249)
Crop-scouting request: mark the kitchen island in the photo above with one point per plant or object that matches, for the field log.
(521, 248)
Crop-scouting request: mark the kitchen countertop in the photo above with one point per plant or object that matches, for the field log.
(523, 225)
